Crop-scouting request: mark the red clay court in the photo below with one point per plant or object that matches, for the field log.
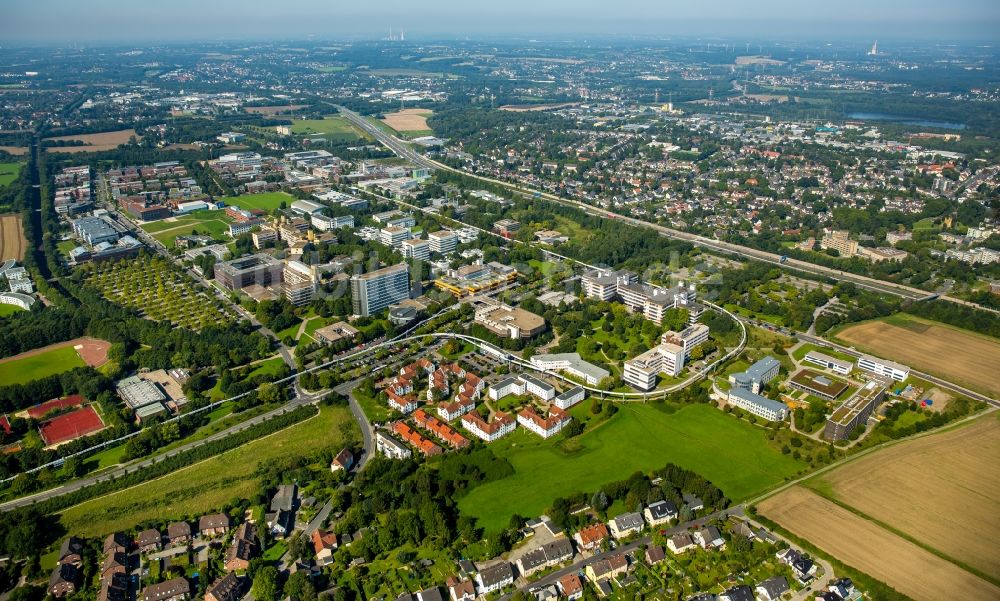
(70, 426)
(39, 411)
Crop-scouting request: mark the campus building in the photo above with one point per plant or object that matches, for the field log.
(669, 357)
(443, 241)
(757, 375)
(509, 322)
(374, 291)
(416, 249)
(840, 241)
(260, 269)
(476, 278)
(301, 282)
(826, 361)
(325, 223)
(883, 367)
(571, 364)
(652, 301)
(854, 412)
(758, 405)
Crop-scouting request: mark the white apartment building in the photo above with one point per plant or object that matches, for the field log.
(501, 426)
(390, 447)
(538, 388)
(506, 387)
(545, 427)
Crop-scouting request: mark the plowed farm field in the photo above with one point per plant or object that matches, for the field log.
(12, 242)
(960, 356)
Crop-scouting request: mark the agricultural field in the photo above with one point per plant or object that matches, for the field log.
(959, 355)
(208, 222)
(267, 201)
(942, 491)
(732, 454)
(157, 291)
(9, 172)
(409, 120)
(334, 127)
(108, 140)
(12, 241)
(39, 363)
(14, 150)
(274, 110)
(866, 546)
(209, 484)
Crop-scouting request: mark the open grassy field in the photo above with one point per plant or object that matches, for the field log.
(408, 120)
(208, 222)
(39, 364)
(962, 356)
(207, 485)
(731, 453)
(267, 201)
(6, 310)
(866, 546)
(9, 172)
(941, 490)
(332, 126)
(108, 140)
(12, 241)
(274, 110)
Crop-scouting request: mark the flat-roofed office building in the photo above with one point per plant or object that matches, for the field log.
(374, 291)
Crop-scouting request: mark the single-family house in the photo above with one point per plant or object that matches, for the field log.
(737, 593)
(591, 537)
(343, 461)
(626, 524)
(324, 544)
(175, 589)
(178, 533)
(709, 537)
(213, 524)
(680, 543)
(772, 588)
(571, 587)
(660, 512)
(461, 590)
(494, 578)
(149, 541)
(228, 588)
(611, 567)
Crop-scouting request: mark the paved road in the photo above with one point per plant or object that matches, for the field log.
(404, 150)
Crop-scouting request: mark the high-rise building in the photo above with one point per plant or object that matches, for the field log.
(416, 249)
(301, 282)
(376, 290)
(443, 241)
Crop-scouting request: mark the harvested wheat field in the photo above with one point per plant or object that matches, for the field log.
(942, 490)
(963, 357)
(12, 242)
(274, 110)
(14, 150)
(408, 120)
(864, 545)
(108, 140)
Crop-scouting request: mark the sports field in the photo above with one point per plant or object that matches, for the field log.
(732, 454)
(332, 126)
(207, 222)
(12, 242)
(866, 546)
(207, 485)
(942, 490)
(959, 355)
(39, 364)
(9, 172)
(266, 201)
(70, 426)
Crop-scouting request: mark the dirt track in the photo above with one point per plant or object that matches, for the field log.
(943, 490)
(939, 350)
(12, 242)
(866, 546)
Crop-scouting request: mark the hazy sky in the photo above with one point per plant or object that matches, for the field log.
(181, 20)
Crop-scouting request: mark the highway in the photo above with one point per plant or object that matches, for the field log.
(402, 149)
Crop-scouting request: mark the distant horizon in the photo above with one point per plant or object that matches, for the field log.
(109, 22)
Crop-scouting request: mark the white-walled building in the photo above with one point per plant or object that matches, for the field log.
(883, 367)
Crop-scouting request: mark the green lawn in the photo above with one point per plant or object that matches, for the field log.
(26, 369)
(332, 126)
(207, 485)
(6, 310)
(9, 172)
(805, 348)
(267, 201)
(731, 453)
(268, 367)
(209, 222)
